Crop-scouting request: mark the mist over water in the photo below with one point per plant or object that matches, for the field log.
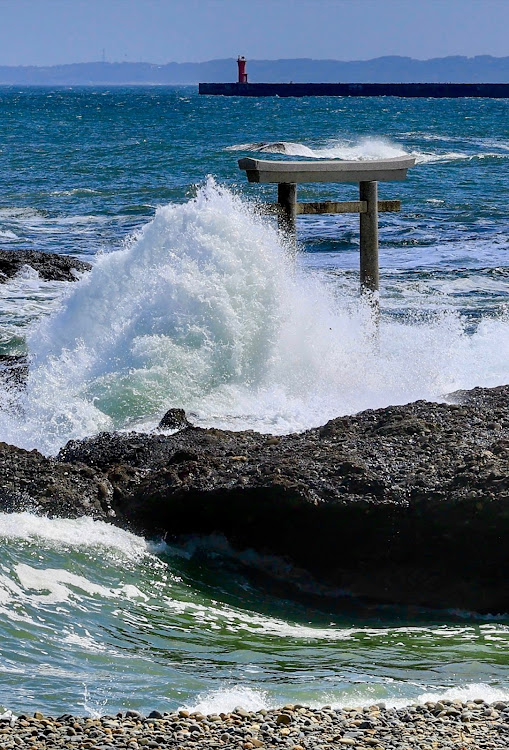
(194, 302)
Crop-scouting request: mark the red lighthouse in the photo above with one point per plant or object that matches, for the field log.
(241, 62)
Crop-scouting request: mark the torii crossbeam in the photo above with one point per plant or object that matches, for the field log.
(287, 174)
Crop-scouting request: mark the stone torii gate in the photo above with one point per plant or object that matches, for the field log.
(287, 174)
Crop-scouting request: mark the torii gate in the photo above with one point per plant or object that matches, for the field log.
(287, 174)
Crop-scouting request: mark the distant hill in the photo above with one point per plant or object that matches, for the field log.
(481, 69)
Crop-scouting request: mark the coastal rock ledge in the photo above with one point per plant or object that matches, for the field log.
(49, 266)
(407, 504)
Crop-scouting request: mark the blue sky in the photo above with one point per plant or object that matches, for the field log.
(49, 32)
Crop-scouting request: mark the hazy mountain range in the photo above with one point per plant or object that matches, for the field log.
(481, 69)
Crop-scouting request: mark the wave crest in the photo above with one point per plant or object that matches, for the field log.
(364, 149)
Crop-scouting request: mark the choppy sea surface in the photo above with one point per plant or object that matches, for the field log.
(194, 301)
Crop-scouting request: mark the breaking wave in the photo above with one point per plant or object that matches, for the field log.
(205, 310)
(361, 150)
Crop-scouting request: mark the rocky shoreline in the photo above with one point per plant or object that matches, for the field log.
(407, 504)
(447, 725)
(49, 266)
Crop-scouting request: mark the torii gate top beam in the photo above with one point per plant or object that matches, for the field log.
(320, 170)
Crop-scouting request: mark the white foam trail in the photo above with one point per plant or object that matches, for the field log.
(227, 699)
(276, 147)
(237, 620)
(386, 691)
(395, 694)
(204, 311)
(8, 716)
(16, 213)
(76, 191)
(85, 643)
(56, 583)
(79, 533)
(24, 586)
(361, 150)
(365, 148)
(60, 585)
(468, 692)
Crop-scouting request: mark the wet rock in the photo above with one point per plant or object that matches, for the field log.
(174, 419)
(31, 481)
(284, 719)
(49, 266)
(389, 504)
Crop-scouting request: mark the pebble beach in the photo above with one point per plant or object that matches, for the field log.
(446, 724)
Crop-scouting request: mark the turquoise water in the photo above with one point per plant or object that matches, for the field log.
(200, 307)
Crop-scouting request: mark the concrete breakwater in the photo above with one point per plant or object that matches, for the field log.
(407, 504)
(406, 90)
(443, 724)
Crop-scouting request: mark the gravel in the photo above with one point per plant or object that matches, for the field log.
(454, 725)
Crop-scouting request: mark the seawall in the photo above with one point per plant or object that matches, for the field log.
(410, 90)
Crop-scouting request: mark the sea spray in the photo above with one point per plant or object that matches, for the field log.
(191, 305)
(93, 654)
(205, 310)
(364, 149)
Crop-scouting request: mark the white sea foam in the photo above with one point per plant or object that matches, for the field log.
(79, 533)
(360, 150)
(205, 311)
(227, 699)
(365, 148)
(8, 716)
(236, 620)
(25, 586)
(276, 147)
(392, 693)
(76, 191)
(468, 692)
(397, 694)
(85, 643)
(59, 585)
(20, 213)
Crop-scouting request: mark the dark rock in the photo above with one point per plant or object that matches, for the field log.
(174, 419)
(394, 505)
(49, 266)
(155, 715)
(30, 481)
(132, 714)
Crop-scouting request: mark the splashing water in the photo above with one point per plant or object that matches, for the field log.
(93, 622)
(205, 311)
(228, 699)
(363, 149)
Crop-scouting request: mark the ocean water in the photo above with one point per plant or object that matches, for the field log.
(194, 301)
